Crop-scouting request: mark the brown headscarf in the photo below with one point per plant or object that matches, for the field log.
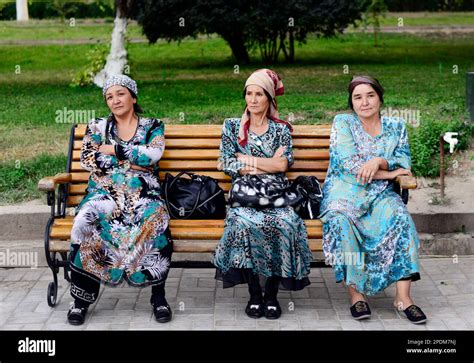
(271, 82)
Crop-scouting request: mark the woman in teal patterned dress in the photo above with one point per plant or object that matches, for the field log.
(368, 235)
(270, 243)
(121, 226)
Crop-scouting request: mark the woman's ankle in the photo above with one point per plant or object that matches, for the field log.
(402, 302)
(355, 296)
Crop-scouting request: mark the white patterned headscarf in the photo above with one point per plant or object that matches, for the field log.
(120, 80)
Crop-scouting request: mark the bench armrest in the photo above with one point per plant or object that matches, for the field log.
(48, 184)
(406, 182)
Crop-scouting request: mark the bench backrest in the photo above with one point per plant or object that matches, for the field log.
(195, 148)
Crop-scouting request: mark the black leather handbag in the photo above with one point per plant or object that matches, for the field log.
(196, 197)
(262, 191)
(309, 190)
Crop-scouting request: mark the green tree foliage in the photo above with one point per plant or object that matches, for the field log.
(273, 27)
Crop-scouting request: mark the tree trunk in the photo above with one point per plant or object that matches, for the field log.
(291, 59)
(239, 51)
(282, 44)
(117, 58)
(22, 10)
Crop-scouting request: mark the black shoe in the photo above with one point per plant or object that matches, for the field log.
(272, 310)
(360, 310)
(254, 311)
(414, 314)
(76, 316)
(162, 313)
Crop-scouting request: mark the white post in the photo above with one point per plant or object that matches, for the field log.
(22, 10)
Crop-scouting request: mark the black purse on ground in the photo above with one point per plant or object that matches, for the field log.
(197, 197)
(309, 189)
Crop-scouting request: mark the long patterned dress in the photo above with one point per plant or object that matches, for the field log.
(269, 241)
(368, 235)
(119, 228)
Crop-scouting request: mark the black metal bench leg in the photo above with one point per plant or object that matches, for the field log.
(404, 196)
(67, 271)
(53, 291)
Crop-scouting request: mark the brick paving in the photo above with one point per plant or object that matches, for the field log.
(445, 292)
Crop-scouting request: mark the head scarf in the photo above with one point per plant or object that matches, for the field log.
(120, 80)
(270, 82)
(357, 80)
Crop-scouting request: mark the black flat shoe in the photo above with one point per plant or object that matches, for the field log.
(360, 310)
(414, 314)
(272, 310)
(76, 316)
(163, 313)
(254, 311)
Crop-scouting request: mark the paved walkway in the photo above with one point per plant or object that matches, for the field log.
(446, 293)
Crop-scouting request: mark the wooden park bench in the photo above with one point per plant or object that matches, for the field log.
(193, 148)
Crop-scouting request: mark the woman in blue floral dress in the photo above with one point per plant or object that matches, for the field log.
(270, 243)
(368, 235)
(121, 226)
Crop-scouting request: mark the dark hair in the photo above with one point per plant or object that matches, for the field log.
(136, 106)
(373, 82)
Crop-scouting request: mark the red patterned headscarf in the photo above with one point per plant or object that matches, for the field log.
(271, 82)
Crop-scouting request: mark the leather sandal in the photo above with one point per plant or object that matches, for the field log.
(254, 310)
(360, 310)
(413, 313)
(163, 313)
(76, 316)
(272, 310)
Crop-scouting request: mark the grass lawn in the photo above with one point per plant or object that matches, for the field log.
(196, 80)
(429, 19)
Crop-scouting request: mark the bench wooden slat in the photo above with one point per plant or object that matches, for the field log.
(212, 165)
(80, 189)
(186, 223)
(191, 131)
(215, 143)
(208, 246)
(220, 176)
(213, 154)
(181, 246)
(213, 232)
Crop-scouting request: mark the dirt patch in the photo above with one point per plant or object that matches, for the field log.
(459, 189)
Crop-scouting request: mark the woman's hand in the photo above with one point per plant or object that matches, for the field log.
(280, 151)
(368, 170)
(250, 170)
(107, 149)
(141, 168)
(245, 159)
(401, 171)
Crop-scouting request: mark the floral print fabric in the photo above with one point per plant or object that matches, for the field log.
(119, 228)
(368, 235)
